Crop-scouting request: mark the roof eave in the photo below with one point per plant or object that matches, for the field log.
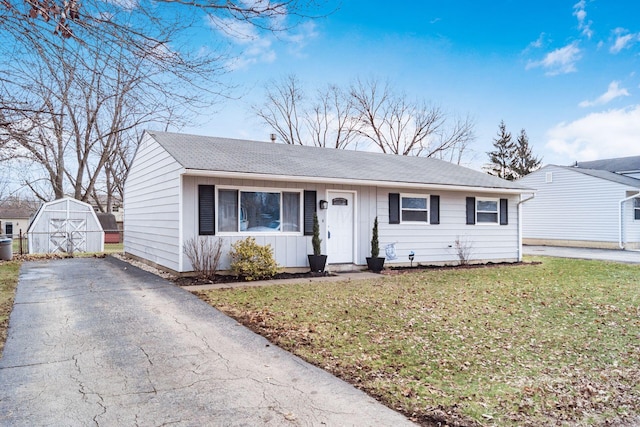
(363, 182)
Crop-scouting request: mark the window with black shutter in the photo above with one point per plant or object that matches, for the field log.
(309, 210)
(206, 210)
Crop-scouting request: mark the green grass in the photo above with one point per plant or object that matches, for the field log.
(8, 282)
(552, 343)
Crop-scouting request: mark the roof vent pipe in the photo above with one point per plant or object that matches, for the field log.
(273, 137)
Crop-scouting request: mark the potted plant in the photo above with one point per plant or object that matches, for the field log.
(375, 263)
(317, 261)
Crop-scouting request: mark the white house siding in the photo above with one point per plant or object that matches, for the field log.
(289, 250)
(574, 209)
(436, 243)
(152, 197)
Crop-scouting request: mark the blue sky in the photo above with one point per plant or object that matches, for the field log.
(565, 71)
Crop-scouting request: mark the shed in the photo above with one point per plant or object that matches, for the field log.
(110, 227)
(65, 226)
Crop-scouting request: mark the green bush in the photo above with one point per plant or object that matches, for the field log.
(251, 261)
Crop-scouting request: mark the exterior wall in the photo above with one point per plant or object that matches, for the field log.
(576, 208)
(436, 243)
(152, 197)
(432, 244)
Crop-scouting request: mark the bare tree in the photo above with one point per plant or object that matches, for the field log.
(324, 121)
(397, 125)
(368, 113)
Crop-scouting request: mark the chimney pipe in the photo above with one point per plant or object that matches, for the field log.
(273, 137)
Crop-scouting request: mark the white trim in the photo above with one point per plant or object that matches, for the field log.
(416, 196)
(362, 182)
(255, 189)
(488, 199)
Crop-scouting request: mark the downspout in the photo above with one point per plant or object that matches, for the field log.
(621, 202)
(520, 224)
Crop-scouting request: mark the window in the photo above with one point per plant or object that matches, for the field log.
(636, 208)
(258, 211)
(486, 211)
(414, 208)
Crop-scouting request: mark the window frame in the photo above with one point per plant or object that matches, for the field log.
(636, 209)
(478, 211)
(252, 189)
(426, 197)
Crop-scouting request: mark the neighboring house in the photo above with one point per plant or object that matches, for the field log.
(181, 186)
(592, 204)
(14, 218)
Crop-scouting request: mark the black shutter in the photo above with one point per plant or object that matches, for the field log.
(471, 210)
(394, 208)
(309, 210)
(504, 212)
(206, 210)
(434, 210)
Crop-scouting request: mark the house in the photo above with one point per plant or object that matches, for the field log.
(591, 204)
(14, 216)
(65, 225)
(182, 186)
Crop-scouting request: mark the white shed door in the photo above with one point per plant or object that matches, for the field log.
(340, 227)
(67, 235)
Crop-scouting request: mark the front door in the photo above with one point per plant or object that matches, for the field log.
(340, 233)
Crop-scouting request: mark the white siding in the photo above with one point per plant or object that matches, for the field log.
(575, 207)
(435, 243)
(431, 243)
(152, 200)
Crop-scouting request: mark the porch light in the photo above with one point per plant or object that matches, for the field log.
(324, 204)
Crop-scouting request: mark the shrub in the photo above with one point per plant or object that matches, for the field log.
(204, 254)
(315, 240)
(375, 246)
(252, 261)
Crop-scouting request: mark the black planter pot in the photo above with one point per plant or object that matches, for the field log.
(375, 264)
(317, 263)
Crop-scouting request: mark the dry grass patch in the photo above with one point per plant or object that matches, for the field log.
(8, 282)
(553, 343)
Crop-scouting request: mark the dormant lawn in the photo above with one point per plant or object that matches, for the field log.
(555, 342)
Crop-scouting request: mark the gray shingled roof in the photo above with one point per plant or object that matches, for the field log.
(619, 164)
(234, 155)
(609, 176)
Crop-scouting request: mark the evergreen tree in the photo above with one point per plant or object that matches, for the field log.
(501, 159)
(524, 162)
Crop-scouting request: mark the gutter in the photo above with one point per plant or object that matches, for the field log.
(533, 195)
(343, 181)
(620, 203)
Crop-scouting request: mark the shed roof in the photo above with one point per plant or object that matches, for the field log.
(205, 153)
(619, 164)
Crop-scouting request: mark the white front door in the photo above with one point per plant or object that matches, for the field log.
(340, 227)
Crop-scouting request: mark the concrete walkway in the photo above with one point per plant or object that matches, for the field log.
(99, 342)
(632, 257)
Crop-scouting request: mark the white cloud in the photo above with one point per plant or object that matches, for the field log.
(539, 42)
(623, 40)
(581, 14)
(607, 134)
(255, 47)
(559, 61)
(614, 91)
(299, 39)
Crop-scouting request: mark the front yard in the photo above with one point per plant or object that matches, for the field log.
(538, 344)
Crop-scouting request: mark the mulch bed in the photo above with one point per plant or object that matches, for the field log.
(222, 278)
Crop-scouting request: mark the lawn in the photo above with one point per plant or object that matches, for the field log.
(555, 342)
(8, 282)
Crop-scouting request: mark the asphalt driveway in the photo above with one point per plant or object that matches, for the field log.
(99, 342)
(617, 255)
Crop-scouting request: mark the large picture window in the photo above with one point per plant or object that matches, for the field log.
(258, 211)
(414, 208)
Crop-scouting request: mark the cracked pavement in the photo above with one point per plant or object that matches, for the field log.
(96, 341)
